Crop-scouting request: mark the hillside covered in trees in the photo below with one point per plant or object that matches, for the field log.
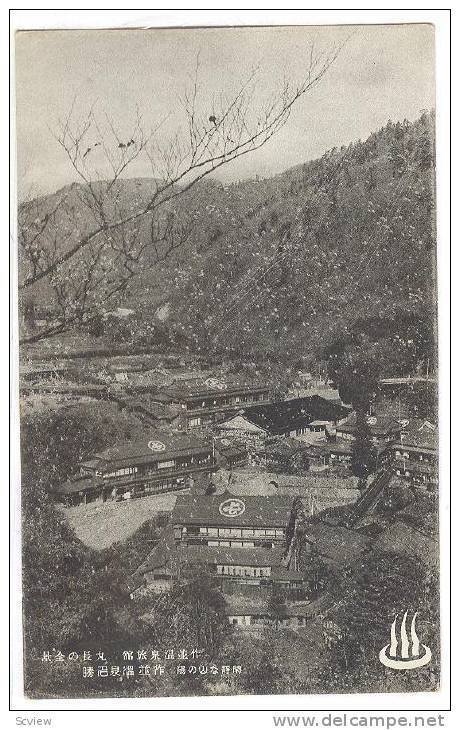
(332, 255)
(342, 243)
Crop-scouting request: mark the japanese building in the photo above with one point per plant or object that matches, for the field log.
(306, 419)
(414, 456)
(162, 462)
(383, 429)
(226, 520)
(244, 613)
(205, 402)
(239, 540)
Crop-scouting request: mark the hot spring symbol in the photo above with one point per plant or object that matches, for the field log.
(407, 653)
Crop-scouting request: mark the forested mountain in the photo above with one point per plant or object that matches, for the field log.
(328, 253)
(342, 238)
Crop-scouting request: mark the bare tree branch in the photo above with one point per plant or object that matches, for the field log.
(87, 265)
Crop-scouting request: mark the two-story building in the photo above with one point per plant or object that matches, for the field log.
(414, 456)
(383, 429)
(226, 520)
(162, 462)
(237, 539)
(306, 419)
(209, 401)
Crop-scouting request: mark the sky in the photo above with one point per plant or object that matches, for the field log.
(382, 72)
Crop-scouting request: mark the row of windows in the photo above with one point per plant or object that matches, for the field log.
(120, 472)
(243, 570)
(230, 543)
(266, 621)
(168, 464)
(228, 401)
(237, 532)
(406, 455)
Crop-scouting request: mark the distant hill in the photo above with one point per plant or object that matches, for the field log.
(282, 267)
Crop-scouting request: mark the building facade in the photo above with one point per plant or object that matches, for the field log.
(210, 401)
(414, 456)
(226, 520)
(239, 540)
(305, 419)
(383, 429)
(162, 462)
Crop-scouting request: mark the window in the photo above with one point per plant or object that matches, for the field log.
(194, 422)
(166, 464)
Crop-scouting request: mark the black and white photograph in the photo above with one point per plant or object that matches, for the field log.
(227, 337)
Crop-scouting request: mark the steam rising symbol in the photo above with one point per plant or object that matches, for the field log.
(409, 656)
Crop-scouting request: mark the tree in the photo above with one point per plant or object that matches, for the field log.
(264, 678)
(317, 573)
(367, 598)
(277, 603)
(191, 614)
(363, 458)
(83, 262)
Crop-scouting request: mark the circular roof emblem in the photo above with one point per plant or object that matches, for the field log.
(156, 446)
(232, 507)
(214, 383)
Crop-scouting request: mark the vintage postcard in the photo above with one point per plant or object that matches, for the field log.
(228, 361)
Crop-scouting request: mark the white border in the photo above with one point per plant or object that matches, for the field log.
(271, 704)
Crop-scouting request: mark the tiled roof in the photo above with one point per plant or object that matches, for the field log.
(161, 554)
(219, 385)
(253, 557)
(421, 433)
(139, 451)
(382, 426)
(258, 511)
(167, 554)
(284, 447)
(73, 486)
(243, 606)
(296, 413)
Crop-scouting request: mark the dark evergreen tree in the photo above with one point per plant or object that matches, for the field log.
(363, 457)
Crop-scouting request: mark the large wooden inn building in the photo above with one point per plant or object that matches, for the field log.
(162, 462)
